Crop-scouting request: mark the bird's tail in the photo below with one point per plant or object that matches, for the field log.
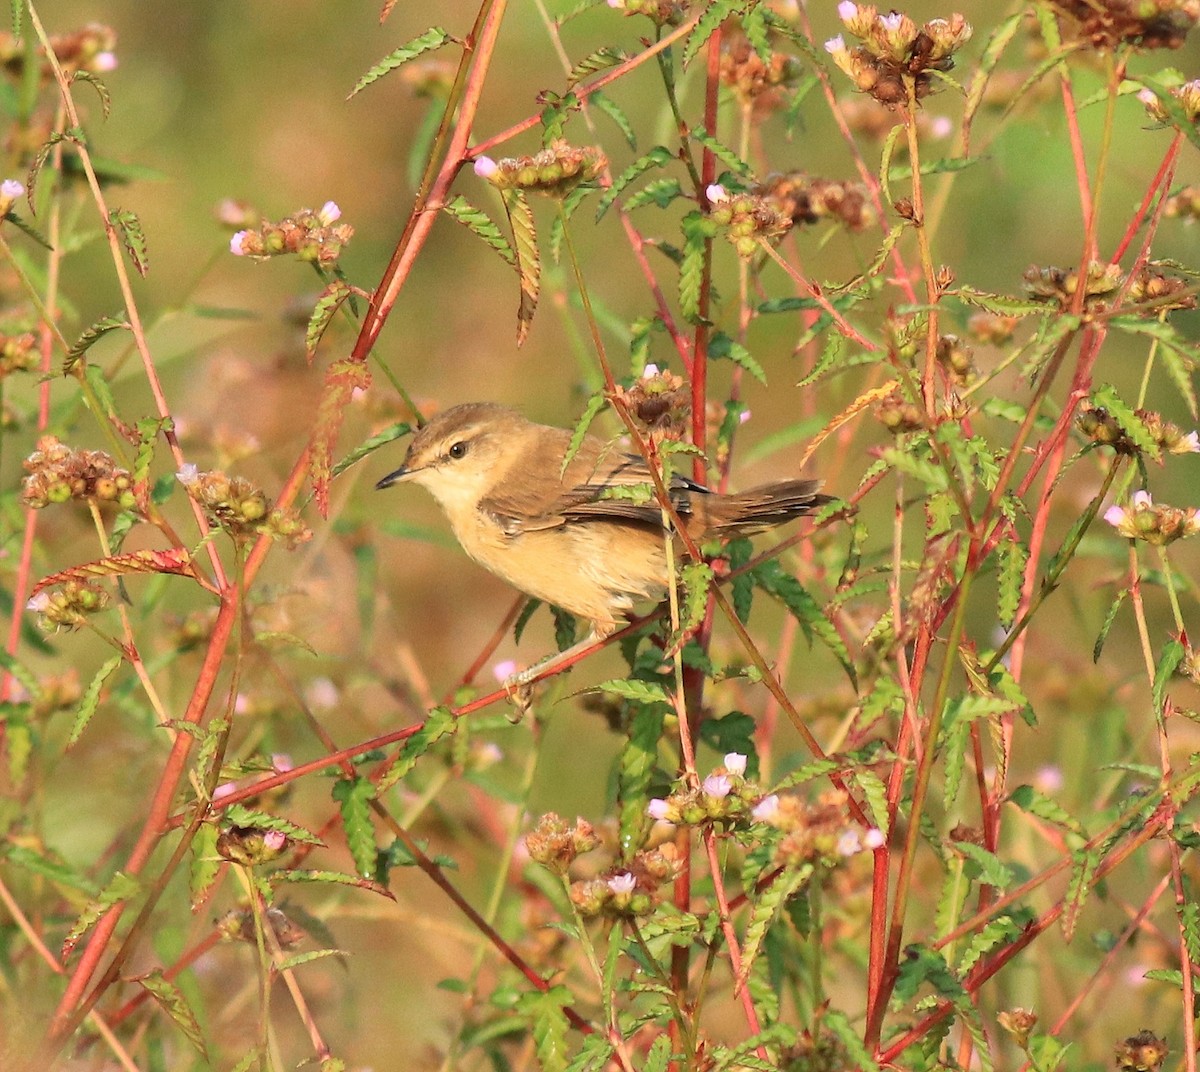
(762, 508)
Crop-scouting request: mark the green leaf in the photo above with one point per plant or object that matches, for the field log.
(1079, 886)
(439, 723)
(328, 878)
(1107, 624)
(838, 1025)
(765, 909)
(992, 870)
(660, 192)
(93, 334)
(354, 796)
(206, 864)
(129, 230)
(600, 60)
(698, 232)
(772, 579)
(720, 150)
(722, 346)
(1106, 397)
(120, 888)
(1173, 654)
(369, 446)
(529, 263)
(635, 772)
(1029, 799)
(480, 224)
(1001, 304)
(91, 698)
(54, 870)
(431, 39)
(328, 303)
(296, 959)
(632, 689)
(545, 1012)
(176, 1006)
(239, 815)
(715, 14)
(595, 404)
(1013, 558)
(1175, 110)
(657, 157)
(614, 112)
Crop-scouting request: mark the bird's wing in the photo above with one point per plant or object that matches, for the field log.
(598, 484)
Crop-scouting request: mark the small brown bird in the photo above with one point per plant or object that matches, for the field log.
(557, 535)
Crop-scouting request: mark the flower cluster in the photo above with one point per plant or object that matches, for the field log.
(992, 328)
(1100, 426)
(555, 171)
(658, 401)
(241, 508)
(755, 82)
(629, 890)
(894, 50)
(1162, 291)
(58, 473)
(898, 415)
(746, 218)
(18, 353)
(724, 796)
(819, 833)
(956, 358)
(556, 846)
(662, 12)
(1107, 24)
(312, 236)
(69, 606)
(1018, 1023)
(1143, 1052)
(1059, 285)
(251, 845)
(809, 200)
(1157, 525)
(1187, 96)
(238, 926)
(91, 49)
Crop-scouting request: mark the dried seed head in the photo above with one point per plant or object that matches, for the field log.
(1144, 24)
(554, 171)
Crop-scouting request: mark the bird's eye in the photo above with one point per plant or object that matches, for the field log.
(457, 450)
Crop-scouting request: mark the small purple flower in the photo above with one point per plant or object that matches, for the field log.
(846, 10)
(235, 243)
(12, 189)
(1189, 444)
(188, 474)
(891, 22)
(504, 669)
(835, 45)
(39, 603)
(717, 786)
(744, 416)
(874, 839)
(103, 62)
(281, 762)
(486, 167)
(623, 883)
(659, 810)
(766, 809)
(330, 213)
(650, 371)
(735, 763)
(716, 193)
(274, 840)
(849, 843)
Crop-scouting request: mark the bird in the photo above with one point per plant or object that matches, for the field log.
(575, 535)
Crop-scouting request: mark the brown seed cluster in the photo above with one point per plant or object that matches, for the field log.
(992, 328)
(556, 846)
(241, 508)
(659, 402)
(311, 236)
(238, 926)
(806, 200)
(554, 171)
(1143, 1052)
(894, 51)
(759, 84)
(1107, 24)
(1102, 427)
(1058, 285)
(57, 473)
(898, 415)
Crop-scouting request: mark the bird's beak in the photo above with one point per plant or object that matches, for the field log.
(392, 478)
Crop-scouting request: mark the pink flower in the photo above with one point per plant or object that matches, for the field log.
(874, 839)
(849, 843)
(650, 371)
(659, 810)
(504, 669)
(766, 809)
(274, 840)
(846, 10)
(622, 884)
(235, 243)
(188, 474)
(835, 45)
(717, 786)
(716, 193)
(11, 189)
(486, 167)
(102, 62)
(735, 763)
(330, 213)
(39, 603)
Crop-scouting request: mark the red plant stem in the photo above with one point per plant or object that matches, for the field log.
(157, 812)
(1161, 182)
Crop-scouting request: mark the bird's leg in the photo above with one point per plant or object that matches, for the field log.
(552, 662)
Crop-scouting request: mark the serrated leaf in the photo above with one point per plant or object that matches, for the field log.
(595, 404)
(930, 474)
(206, 864)
(998, 40)
(635, 770)
(120, 888)
(838, 1025)
(1013, 558)
(369, 446)
(14, 666)
(37, 863)
(807, 611)
(657, 157)
(241, 816)
(91, 698)
(133, 238)
(992, 870)
(614, 112)
(1172, 655)
(1029, 799)
(549, 1024)
(174, 560)
(696, 580)
(353, 796)
(1001, 304)
(722, 346)
(529, 264)
(90, 337)
(102, 91)
(715, 14)
(764, 910)
(632, 689)
(297, 959)
(658, 1057)
(176, 1006)
(816, 768)
(1079, 886)
(660, 192)
(600, 60)
(480, 224)
(431, 39)
(1106, 397)
(343, 378)
(439, 723)
(720, 150)
(1109, 618)
(328, 303)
